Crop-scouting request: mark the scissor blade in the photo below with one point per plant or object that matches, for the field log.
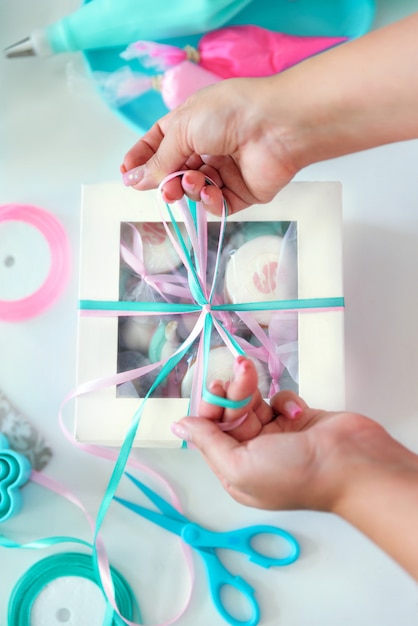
(174, 526)
(164, 506)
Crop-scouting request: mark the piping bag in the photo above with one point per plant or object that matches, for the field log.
(112, 23)
(234, 51)
(175, 85)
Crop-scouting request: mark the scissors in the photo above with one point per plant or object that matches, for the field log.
(205, 542)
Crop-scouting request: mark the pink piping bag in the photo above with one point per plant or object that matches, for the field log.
(246, 51)
(175, 85)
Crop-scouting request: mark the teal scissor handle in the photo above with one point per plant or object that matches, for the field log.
(219, 577)
(241, 541)
(205, 542)
(15, 470)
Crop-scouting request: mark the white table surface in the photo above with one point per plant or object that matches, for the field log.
(53, 139)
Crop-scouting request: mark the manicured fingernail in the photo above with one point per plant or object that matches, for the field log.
(167, 198)
(292, 409)
(179, 430)
(215, 386)
(205, 196)
(240, 366)
(188, 186)
(134, 176)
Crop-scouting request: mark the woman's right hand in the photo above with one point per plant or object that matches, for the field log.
(229, 132)
(252, 135)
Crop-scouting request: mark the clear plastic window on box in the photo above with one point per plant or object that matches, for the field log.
(258, 263)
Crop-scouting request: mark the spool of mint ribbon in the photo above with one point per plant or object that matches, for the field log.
(44, 572)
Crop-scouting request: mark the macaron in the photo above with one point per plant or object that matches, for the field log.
(164, 342)
(135, 332)
(252, 275)
(159, 253)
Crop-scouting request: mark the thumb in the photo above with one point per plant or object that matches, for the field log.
(171, 156)
(216, 446)
(166, 149)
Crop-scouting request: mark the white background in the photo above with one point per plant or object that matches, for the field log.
(53, 139)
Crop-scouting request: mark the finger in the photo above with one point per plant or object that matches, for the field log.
(226, 173)
(288, 404)
(193, 182)
(209, 410)
(145, 148)
(158, 153)
(172, 190)
(194, 162)
(212, 199)
(292, 412)
(243, 385)
(190, 183)
(172, 153)
(195, 185)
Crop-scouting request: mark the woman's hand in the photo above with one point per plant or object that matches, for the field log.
(251, 135)
(286, 455)
(230, 132)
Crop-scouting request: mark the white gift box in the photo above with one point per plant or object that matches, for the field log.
(102, 416)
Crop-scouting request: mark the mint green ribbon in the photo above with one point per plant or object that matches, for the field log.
(167, 307)
(42, 573)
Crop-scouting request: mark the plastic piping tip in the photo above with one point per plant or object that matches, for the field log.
(23, 48)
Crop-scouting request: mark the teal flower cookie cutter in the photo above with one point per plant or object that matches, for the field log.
(15, 470)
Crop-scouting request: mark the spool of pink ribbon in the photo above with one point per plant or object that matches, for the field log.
(16, 310)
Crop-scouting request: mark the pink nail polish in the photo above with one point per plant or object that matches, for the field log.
(292, 409)
(215, 385)
(190, 187)
(240, 366)
(179, 430)
(205, 196)
(134, 176)
(167, 198)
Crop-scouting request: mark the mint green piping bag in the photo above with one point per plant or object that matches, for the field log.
(114, 23)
